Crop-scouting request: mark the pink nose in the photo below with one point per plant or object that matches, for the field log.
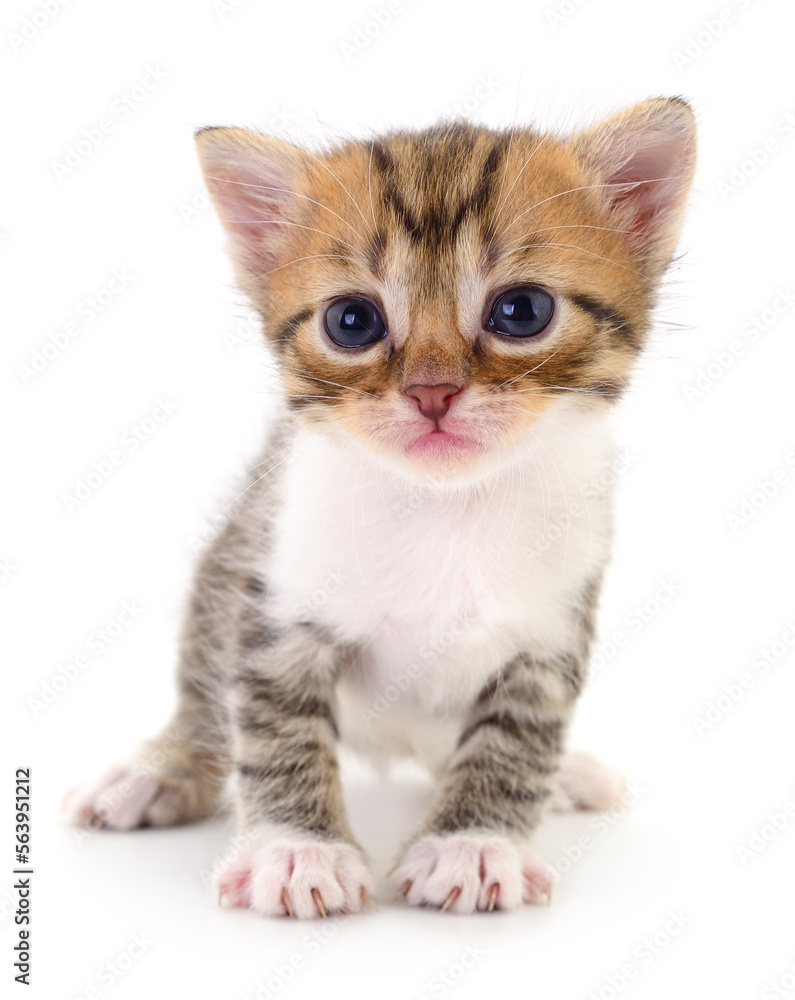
(433, 400)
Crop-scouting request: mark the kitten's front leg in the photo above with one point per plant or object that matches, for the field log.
(473, 852)
(301, 858)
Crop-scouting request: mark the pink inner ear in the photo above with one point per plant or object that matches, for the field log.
(658, 179)
(251, 200)
(655, 161)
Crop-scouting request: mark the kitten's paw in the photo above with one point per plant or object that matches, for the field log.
(463, 873)
(584, 782)
(125, 798)
(297, 878)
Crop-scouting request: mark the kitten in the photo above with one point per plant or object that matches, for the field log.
(454, 313)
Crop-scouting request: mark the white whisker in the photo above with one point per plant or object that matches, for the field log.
(530, 371)
(296, 260)
(627, 186)
(339, 385)
(327, 168)
(294, 194)
(370, 188)
(572, 246)
(516, 179)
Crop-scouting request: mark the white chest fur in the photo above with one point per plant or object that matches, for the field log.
(442, 587)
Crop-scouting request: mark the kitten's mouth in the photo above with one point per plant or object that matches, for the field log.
(439, 443)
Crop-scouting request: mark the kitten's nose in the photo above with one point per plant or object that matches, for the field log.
(433, 400)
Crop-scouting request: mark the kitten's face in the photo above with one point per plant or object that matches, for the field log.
(433, 295)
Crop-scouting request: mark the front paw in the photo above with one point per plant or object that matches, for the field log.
(463, 873)
(297, 878)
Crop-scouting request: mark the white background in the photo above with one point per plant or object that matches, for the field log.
(702, 791)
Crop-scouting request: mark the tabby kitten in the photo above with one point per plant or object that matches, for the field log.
(454, 312)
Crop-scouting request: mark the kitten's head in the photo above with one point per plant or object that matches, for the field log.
(432, 295)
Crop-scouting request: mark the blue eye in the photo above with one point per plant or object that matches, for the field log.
(354, 322)
(522, 312)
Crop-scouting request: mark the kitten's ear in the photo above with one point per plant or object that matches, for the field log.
(254, 182)
(647, 154)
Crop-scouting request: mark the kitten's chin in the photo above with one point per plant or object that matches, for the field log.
(442, 457)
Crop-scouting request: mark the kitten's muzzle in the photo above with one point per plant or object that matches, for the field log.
(433, 400)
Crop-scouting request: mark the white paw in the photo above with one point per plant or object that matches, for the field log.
(300, 878)
(120, 799)
(463, 873)
(584, 782)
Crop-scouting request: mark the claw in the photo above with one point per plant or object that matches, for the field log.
(286, 903)
(452, 897)
(404, 891)
(549, 894)
(319, 903)
(493, 894)
(366, 899)
(95, 821)
(221, 894)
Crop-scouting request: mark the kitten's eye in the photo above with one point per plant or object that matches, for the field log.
(522, 312)
(354, 322)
